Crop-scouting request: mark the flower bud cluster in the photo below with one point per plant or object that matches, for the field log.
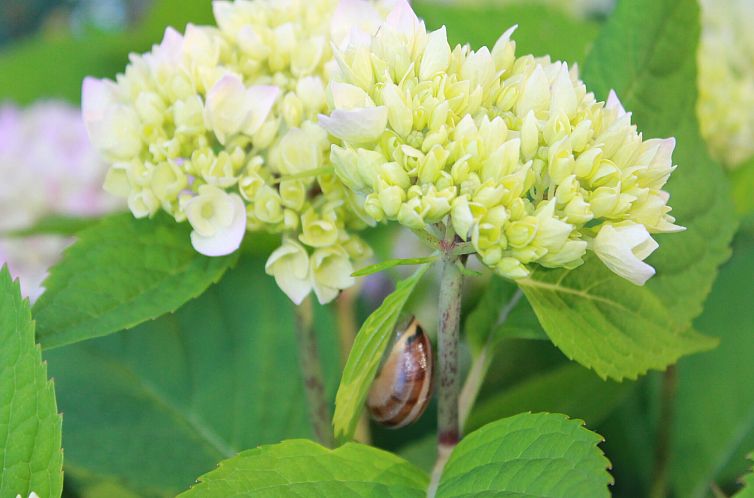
(513, 152)
(218, 127)
(726, 79)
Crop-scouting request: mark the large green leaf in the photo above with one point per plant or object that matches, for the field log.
(714, 421)
(363, 361)
(594, 316)
(120, 273)
(163, 403)
(30, 454)
(538, 454)
(541, 30)
(569, 389)
(304, 468)
(607, 324)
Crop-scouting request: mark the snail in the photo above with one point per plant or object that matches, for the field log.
(403, 387)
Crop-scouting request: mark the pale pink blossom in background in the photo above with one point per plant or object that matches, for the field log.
(47, 167)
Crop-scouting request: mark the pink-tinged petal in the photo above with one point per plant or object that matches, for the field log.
(403, 18)
(259, 99)
(223, 12)
(96, 98)
(351, 15)
(356, 126)
(613, 102)
(227, 239)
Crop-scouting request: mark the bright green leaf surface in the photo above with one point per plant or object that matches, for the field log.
(30, 454)
(120, 273)
(392, 263)
(306, 469)
(161, 404)
(595, 317)
(366, 354)
(569, 389)
(714, 422)
(528, 455)
(609, 325)
(541, 30)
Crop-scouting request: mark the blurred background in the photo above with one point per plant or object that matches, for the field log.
(139, 405)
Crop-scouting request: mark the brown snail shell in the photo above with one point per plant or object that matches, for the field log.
(403, 387)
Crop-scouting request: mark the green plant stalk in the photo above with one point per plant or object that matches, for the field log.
(659, 487)
(449, 385)
(311, 371)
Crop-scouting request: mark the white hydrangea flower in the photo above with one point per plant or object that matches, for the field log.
(623, 247)
(31, 495)
(513, 152)
(50, 168)
(218, 219)
(218, 127)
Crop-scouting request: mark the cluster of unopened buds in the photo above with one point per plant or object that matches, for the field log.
(726, 79)
(316, 118)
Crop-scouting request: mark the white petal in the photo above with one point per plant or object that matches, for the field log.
(613, 102)
(356, 126)
(259, 99)
(402, 18)
(436, 54)
(623, 248)
(225, 109)
(353, 15)
(346, 96)
(227, 239)
(96, 99)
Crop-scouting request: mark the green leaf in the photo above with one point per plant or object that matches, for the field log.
(304, 468)
(569, 389)
(595, 317)
(30, 427)
(742, 180)
(120, 273)
(391, 263)
(163, 403)
(540, 454)
(365, 356)
(55, 224)
(714, 413)
(748, 481)
(607, 324)
(541, 30)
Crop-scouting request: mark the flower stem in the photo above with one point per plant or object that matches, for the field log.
(659, 487)
(448, 429)
(311, 370)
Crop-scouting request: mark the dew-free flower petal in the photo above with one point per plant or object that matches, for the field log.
(289, 264)
(623, 247)
(218, 219)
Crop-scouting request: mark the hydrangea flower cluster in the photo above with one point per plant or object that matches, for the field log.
(513, 151)
(726, 79)
(218, 127)
(48, 167)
